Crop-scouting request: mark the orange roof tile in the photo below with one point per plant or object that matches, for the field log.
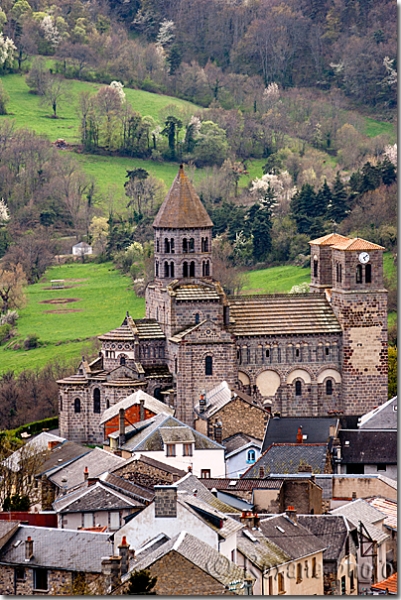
(182, 208)
(389, 584)
(329, 239)
(356, 244)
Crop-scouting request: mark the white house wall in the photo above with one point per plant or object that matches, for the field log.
(212, 459)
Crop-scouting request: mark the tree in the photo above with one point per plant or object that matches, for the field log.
(171, 130)
(99, 229)
(339, 207)
(392, 371)
(301, 208)
(55, 92)
(38, 76)
(12, 283)
(4, 99)
(211, 146)
(34, 251)
(7, 49)
(141, 583)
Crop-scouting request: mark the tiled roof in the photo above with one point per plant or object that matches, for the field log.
(198, 553)
(287, 458)
(62, 455)
(381, 417)
(367, 446)
(389, 510)
(259, 550)
(59, 549)
(285, 429)
(149, 329)
(143, 329)
(389, 584)
(156, 372)
(150, 403)
(281, 314)
(238, 441)
(127, 487)
(221, 395)
(243, 485)
(329, 240)
(188, 292)
(294, 539)
(331, 530)
(216, 519)
(97, 461)
(182, 207)
(189, 483)
(356, 244)
(96, 497)
(122, 333)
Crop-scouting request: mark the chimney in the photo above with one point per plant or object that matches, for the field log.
(218, 431)
(92, 480)
(261, 472)
(189, 468)
(299, 435)
(111, 571)
(141, 409)
(202, 402)
(353, 496)
(291, 514)
(121, 427)
(165, 501)
(86, 473)
(28, 548)
(195, 492)
(123, 550)
(304, 469)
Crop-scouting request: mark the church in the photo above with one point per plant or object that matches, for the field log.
(311, 354)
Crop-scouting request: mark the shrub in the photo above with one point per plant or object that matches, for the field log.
(6, 333)
(31, 341)
(10, 317)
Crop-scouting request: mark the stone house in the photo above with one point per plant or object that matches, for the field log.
(304, 354)
(339, 537)
(168, 440)
(42, 561)
(187, 566)
(148, 472)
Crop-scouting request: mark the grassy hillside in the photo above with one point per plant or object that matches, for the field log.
(276, 280)
(94, 300)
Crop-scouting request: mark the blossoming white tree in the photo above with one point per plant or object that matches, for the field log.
(7, 49)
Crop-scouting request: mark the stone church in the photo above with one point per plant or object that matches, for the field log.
(303, 354)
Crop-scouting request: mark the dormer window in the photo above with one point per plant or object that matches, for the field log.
(251, 457)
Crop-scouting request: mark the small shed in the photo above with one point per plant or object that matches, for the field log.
(81, 249)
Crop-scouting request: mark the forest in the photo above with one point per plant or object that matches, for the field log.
(300, 94)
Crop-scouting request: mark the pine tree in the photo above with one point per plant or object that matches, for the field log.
(339, 207)
(302, 208)
(323, 201)
(388, 171)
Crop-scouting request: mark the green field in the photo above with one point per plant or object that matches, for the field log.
(374, 128)
(101, 296)
(275, 280)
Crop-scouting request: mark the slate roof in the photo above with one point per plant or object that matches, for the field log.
(221, 395)
(58, 549)
(182, 207)
(149, 438)
(281, 314)
(7, 530)
(97, 461)
(356, 244)
(235, 443)
(189, 483)
(156, 372)
(217, 520)
(63, 455)
(198, 553)
(294, 539)
(285, 429)
(381, 417)
(259, 550)
(360, 510)
(286, 458)
(172, 435)
(329, 240)
(130, 329)
(367, 446)
(125, 486)
(331, 530)
(149, 402)
(97, 497)
(389, 584)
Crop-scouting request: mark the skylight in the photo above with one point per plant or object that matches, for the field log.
(233, 482)
(280, 529)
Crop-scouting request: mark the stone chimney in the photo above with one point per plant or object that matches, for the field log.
(300, 439)
(304, 469)
(261, 472)
(123, 550)
(86, 474)
(121, 427)
(111, 570)
(28, 548)
(141, 409)
(291, 514)
(218, 431)
(202, 402)
(165, 501)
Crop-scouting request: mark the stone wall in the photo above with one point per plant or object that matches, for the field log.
(144, 474)
(240, 416)
(304, 495)
(60, 583)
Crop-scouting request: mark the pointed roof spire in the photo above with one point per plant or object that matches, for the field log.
(182, 208)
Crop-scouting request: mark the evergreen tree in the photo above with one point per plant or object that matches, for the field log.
(371, 178)
(339, 206)
(388, 171)
(171, 129)
(302, 208)
(323, 201)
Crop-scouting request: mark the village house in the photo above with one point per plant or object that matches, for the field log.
(241, 451)
(389, 509)
(148, 472)
(292, 458)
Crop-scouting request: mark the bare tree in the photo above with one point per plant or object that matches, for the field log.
(56, 91)
(12, 283)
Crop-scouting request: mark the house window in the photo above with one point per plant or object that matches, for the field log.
(114, 520)
(368, 274)
(172, 244)
(280, 579)
(251, 456)
(209, 365)
(157, 245)
(205, 473)
(192, 245)
(40, 580)
(185, 269)
(351, 581)
(61, 403)
(166, 246)
(381, 467)
(192, 269)
(96, 400)
(107, 403)
(314, 570)
(299, 572)
(20, 574)
(171, 269)
(205, 245)
(122, 361)
(329, 387)
(77, 405)
(166, 269)
(170, 449)
(187, 450)
(298, 388)
(327, 351)
(267, 353)
(359, 274)
(88, 519)
(297, 352)
(197, 318)
(157, 268)
(343, 586)
(185, 245)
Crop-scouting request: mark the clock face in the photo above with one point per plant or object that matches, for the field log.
(364, 258)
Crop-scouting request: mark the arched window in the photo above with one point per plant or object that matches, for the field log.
(207, 268)
(122, 361)
(191, 245)
(206, 245)
(185, 269)
(209, 365)
(171, 269)
(315, 267)
(77, 405)
(96, 400)
(329, 387)
(185, 245)
(359, 274)
(176, 365)
(251, 456)
(157, 245)
(298, 388)
(192, 269)
(166, 269)
(157, 268)
(197, 318)
(368, 274)
(172, 245)
(107, 403)
(166, 246)
(157, 394)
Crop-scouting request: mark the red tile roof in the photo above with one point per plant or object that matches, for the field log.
(389, 584)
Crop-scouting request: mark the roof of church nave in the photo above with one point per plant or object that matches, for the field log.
(281, 314)
(143, 329)
(182, 207)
